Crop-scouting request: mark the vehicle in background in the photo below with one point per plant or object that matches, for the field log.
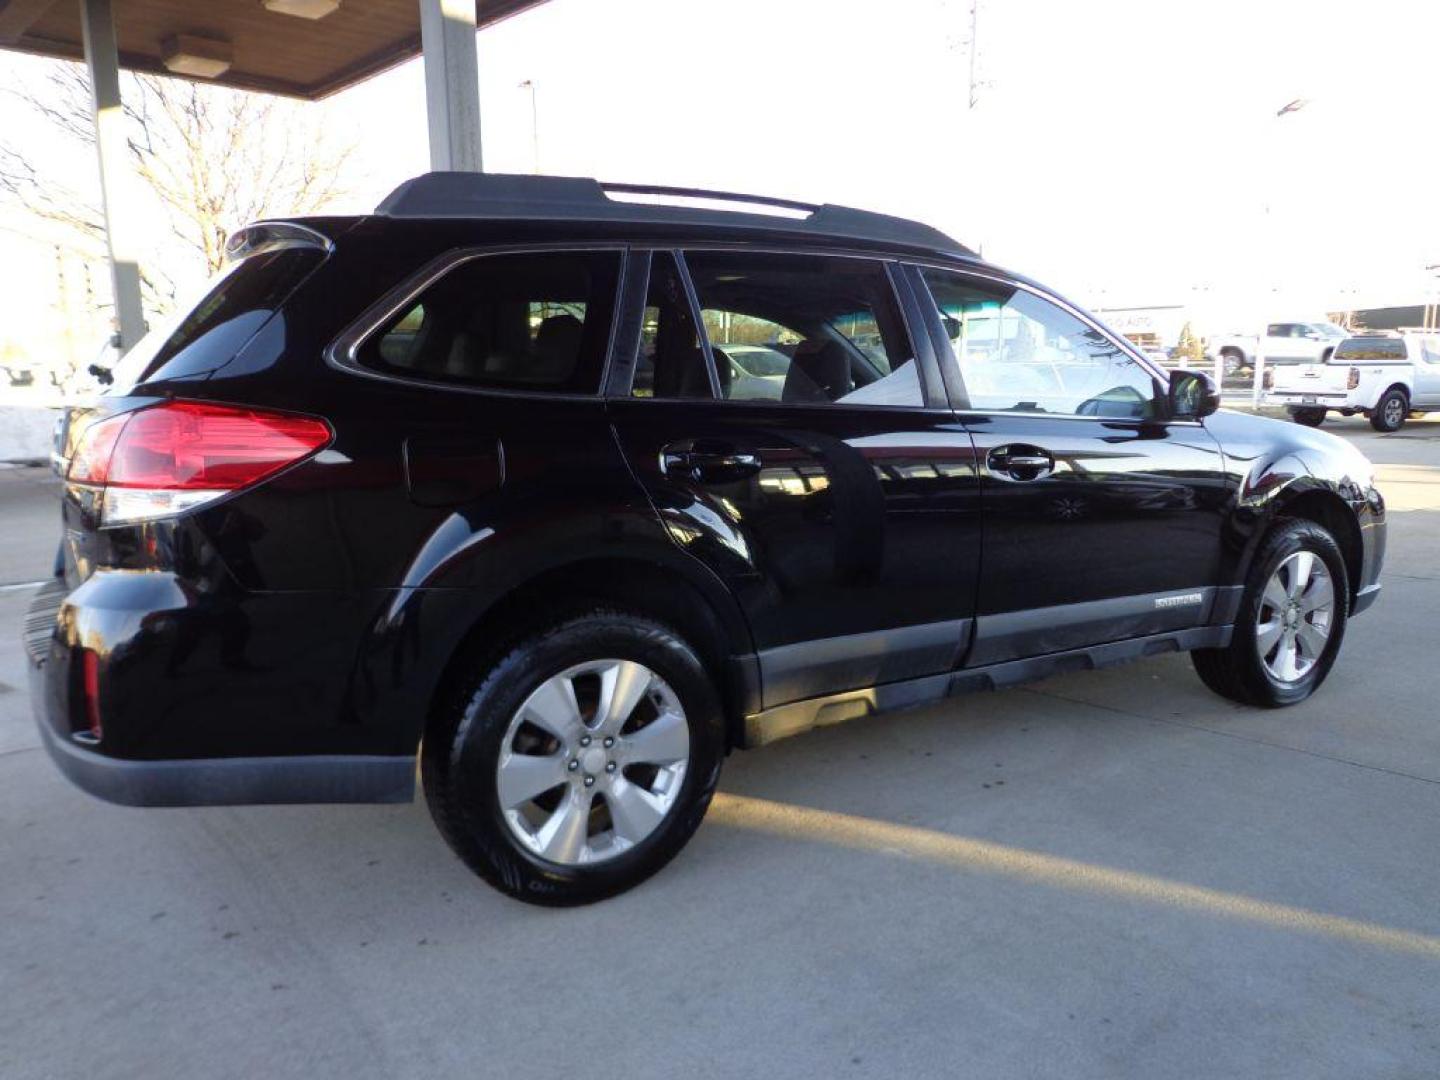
(1160, 355)
(1285, 343)
(757, 372)
(1384, 376)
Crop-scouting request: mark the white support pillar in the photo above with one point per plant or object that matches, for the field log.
(117, 179)
(452, 83)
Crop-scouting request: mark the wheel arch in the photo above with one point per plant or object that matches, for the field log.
(1327, 509)
(702, 612)
(1400, 385)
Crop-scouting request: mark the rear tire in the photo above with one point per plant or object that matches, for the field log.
(1308, 417)
(1390, 411)
(1280, 654)
(507, 770)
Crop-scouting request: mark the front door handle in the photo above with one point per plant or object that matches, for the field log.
(1019, 462)
(705, 464)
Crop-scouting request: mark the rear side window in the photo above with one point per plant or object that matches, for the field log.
(208, 334)
(1370, 349)
(804, 329)
(536, 322)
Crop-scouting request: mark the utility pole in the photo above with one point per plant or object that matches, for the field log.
(1257, 383)
(974, 46)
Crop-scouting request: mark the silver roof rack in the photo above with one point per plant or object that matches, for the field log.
(566, 198)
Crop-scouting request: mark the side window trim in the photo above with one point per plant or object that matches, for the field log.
(953, 380)
(341, 353)
(952, 369)
(628, 326)
(916, 327)
(701, 332)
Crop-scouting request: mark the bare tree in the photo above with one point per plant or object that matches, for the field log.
(213, 158)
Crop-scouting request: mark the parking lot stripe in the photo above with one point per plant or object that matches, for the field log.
(881, 837)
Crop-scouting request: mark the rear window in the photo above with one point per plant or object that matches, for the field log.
(534, 322)
(1363, 348)
(232, 308)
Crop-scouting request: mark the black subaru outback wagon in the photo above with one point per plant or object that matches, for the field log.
(568, 491)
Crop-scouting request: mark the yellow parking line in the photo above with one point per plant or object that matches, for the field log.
(880, 837)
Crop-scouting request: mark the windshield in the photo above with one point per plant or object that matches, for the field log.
(1329, 330)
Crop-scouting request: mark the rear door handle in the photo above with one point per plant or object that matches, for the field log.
(1019, 462)
(704, 464)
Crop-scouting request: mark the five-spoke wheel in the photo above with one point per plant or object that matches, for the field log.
(592, 762)
(1295, 612)
(579, 762)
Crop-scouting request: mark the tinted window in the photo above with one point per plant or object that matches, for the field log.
(671, 363)
(235, 305)
(1018, 352)
(804, 329)
(1370, 348)
(512, 322)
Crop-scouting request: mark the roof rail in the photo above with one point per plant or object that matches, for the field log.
(567, 198)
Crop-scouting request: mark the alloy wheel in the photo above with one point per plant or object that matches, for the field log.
(1297, 611)
(592, 762)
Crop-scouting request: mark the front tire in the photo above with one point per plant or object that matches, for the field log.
(580, 763)
(1390, 411)
(1308, 417)
(1291, 621)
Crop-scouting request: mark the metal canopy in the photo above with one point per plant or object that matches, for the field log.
(270, 52)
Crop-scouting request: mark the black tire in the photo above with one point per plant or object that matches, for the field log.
(1236, 672)
(463, 742)
(1308, 417)
(1390, 411)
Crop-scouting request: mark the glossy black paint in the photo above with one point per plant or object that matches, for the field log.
(317, 613)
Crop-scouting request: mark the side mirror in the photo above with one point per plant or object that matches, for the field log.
(1193, 395)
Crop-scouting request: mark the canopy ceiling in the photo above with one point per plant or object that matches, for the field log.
(278, 54)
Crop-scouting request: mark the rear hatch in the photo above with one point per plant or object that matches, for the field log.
(267, 263)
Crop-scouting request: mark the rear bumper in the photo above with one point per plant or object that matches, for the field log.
(1308, 399)
(189, 781)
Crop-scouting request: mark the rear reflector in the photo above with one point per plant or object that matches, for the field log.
(170, 458)
(90, 677)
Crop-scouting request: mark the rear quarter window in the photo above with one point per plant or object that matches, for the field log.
(208, 335)
(528, 321)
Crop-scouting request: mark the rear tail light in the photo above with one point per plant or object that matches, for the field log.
(1352, 381)
(170, 458)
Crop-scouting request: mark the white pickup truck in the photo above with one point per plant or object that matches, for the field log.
(1285, 343)
(1386, 377)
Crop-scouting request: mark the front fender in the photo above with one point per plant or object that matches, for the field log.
(1281, 468)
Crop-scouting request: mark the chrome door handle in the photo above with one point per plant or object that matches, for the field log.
(1019, 462)
(708, 466)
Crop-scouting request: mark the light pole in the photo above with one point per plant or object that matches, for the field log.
(529, 84)
(1257, 388)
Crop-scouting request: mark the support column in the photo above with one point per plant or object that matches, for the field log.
(452, 83)
(117, 180)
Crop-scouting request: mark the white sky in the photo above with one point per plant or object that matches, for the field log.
(1123, 151)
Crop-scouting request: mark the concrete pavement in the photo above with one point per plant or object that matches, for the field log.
(1111, 874)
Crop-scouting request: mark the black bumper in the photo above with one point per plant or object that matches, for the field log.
(338, 778)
